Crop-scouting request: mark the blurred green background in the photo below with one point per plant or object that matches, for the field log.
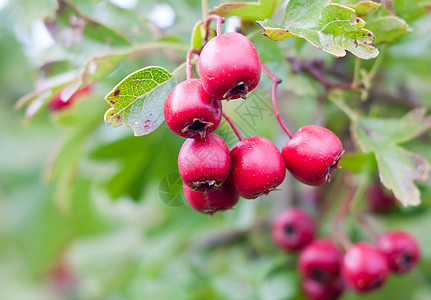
(92, 212)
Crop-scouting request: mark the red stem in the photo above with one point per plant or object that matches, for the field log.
(275, 82)
(219, 20)
(189, 62)
(232, 125)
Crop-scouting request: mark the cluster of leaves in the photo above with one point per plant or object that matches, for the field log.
(155, 250)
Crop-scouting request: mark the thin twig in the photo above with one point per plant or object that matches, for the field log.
(189, 62)
(232, 125)
(275, 82)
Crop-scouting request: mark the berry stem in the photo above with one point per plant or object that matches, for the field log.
(220, 20)
(204, 5)
(275, 82)
(314, 71)
(189, 62)
(232, 125)
(366, 225)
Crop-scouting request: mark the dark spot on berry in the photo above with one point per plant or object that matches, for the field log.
(197, 126)
(405, 260)
(239, 91)
(117, 93)
(319, 275)
(289, 230)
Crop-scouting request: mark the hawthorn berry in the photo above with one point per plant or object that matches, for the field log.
(59, 103)
(223, 198)
(190, 112)
(401, 250)
(293, 229)
(364, 267)
(312, 154)
(379, 200)
(204, 163)
(320, 260)
(257, 167)
(229, 66)
(318, 291)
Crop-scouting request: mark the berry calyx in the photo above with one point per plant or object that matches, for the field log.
(229, 66)
(401, 250)
(318, 291)
(320, 261)
(364, 267)
(190, 112)
(379, 200)
(293, 229)
(204, 163)
(312, 154)
(257, 167)
(223, 198)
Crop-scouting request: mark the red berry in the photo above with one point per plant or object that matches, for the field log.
(190, 112)
(319, 291)
(312, 154)
(60, 101)
(320, 261)
(257, 167)
(229, 66)
(364, 267)
(204, 164)
(380, 200)
(293, 229)
(223, 198)
(401, 250)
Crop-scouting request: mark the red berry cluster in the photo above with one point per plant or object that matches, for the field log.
(214, 177)
(325, 270)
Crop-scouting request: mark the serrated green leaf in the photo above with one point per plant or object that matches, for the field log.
(251, 11)
(331, 27)
(398, 167)
(69, 25)
(387, 29)
(137, 101)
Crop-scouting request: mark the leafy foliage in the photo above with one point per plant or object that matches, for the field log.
(92, 212)
(137, 101)
(328, 26)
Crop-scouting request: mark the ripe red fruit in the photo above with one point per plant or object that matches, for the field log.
(204, 164)
(380, 200)
(190, 112)
(401, 250)
(229, 66)
(293, 229)
(320, 261)
(312, 154)
(257, 167)
(364, 267)
(59, 102)
(223, 198)
(319, 291)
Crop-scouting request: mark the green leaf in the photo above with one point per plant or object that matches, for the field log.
(251, 11)
(365, 8)
(387, 29)
(95, 68)
(137, 101)
(331, 27)
(198, 35)
(358, 162)
(69, 25)
(398, 167)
